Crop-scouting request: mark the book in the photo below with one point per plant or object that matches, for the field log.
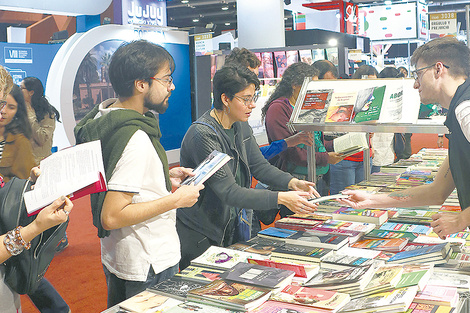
(450, 278)
(408, 228)
(300, 253)
(143, 302)
(381, 244)
(368, 105)
(429, 308)
(341, 261)
(281, 62)
(223, 258)
(191, 307)
(316, 298)
(355, 226)
(211, 164)
(330, 197)
(385, 278)
(75, 172)
(200, 274)
(415, 275)
(338, 279)
(296, 223)
(271, 306)
(311, 216)
(440, 295)
(353, 235)
(386, 234)
(303, 271)
(341, 107)
(437, 252)
(259, 275)
(314, 106)
(276, 233)
(234, 296)
(350, 143)
(317, 239)
(175, 287)
(397, 300)
(377, 217)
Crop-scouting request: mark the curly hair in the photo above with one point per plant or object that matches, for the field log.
(243, 57)
(6, 82)
(294, 75)
(325, 66)
(38, 100)
(20, 123)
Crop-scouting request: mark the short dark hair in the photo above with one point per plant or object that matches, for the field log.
(243, 57)
(390, 72)
(325, 66)
(20, 123)
(364, 70)
(230, 80)
(137, 60)
(448, 50)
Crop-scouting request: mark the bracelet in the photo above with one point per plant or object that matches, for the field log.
(14, 242)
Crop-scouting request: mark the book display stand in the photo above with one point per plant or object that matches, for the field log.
(397, 112)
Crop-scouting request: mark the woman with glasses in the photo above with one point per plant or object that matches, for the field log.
(16, 155)
(42, 117)
(218, 216)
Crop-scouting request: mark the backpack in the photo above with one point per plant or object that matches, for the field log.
(24, 271)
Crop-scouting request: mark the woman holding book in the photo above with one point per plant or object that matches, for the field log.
(277, 112)
(218, 216)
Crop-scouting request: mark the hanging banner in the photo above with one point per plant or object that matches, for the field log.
(443, 24)
(144, 12)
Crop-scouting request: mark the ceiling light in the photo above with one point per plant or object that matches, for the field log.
(224, 8)
(333, 42)
(227, 24)
(184, 1)
(195, 20)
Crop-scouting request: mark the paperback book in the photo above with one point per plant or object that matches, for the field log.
(223, 258)
(377, 217)
(319, 240)
(385, 278)
(296, 223)
(175, 287)
(341, 261)
(357, 277)
(300, 253)
(143, 302)
(200, 274)
(211, 164)
(356, 226)
(271, 306)
(386, 234)
(440, 295)
(301, 270)
(415, 275)
(436, 253)
(276, 233)
(407, 228)
(381, 244)
(314, 107)
(350, 143)
(234, 296)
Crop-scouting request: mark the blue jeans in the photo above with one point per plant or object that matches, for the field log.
(120, 289)
(47, 299)
(345, 173)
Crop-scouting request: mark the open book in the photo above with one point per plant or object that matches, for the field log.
(207, 168)
(350, 143)
(75, 172)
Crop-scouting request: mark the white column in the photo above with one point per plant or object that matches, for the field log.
(260, 24)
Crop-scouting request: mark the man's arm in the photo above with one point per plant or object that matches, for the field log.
(431, 194)
(119, 211)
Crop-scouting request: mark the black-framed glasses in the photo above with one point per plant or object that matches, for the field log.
(168, 80)
(415, 75)
(247, 100)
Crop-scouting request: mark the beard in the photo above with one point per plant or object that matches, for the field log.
(160, 108)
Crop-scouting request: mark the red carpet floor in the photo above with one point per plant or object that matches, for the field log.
(76, 272)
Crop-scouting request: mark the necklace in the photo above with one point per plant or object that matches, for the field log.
(217, 118)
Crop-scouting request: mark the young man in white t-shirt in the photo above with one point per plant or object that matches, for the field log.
(136, 217)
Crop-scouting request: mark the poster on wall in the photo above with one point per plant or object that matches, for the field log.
(442, 24)
(389, 22)
(292, 57)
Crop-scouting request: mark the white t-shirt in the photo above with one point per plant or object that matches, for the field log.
(383, 149)
(128, 252)
(462, 113)
(9, 300)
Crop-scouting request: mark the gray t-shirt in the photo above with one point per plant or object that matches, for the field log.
(9, 300)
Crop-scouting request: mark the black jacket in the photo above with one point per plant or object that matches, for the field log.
(211, 214)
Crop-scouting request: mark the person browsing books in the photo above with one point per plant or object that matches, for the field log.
(217, 217)
(442, 69)
(136, 216)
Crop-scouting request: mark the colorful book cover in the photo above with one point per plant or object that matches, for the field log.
(292, 57)
(296, 223)
(299, 269)
(440, 295)
(361, 215)
(260, 68)
(316, 239)
(408, 228)
(274, 232)
(340, 278)
(381, 244)
(369, 104)
(281, 62)
(439, 250)
(429, 308)
(200, 273)
(341, 107)
(362, 227)
(415, 275)
(306, 56)
(315, 106)
(268, 68)
(385, 234)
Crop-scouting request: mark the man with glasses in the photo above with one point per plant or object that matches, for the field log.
(441, 76)
(136, 216)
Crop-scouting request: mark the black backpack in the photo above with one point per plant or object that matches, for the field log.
(24, 271)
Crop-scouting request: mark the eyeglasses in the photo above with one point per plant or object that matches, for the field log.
(247, 100)
(415, 75)
(2, 104)
(168, 80)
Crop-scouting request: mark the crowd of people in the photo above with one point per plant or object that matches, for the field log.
(148, 214)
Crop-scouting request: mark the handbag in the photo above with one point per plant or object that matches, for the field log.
(24, 271)
(242, 227)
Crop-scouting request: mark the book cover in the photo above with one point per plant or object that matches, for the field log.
(440, 295)
(223, 258)
(213, 162)
(230, 295)
(306, 56)
(381, 244)
(263, 249)
(318, 54)
(353, 235)
(300, 253)
(303, 270)
(374, 216)
(191, 307)
(452, 279)
(143, 302)
(259, 275)
(271, 306)
(408, 228)
(317, 239)
(268, 68)
(281, 62)
(317, 298)
(341, 107)
(422, 254)
(369, 104)
(341, 261)
(415, 275)
(384, 278)
(429, 308)
(385, 234)
(292, 57)
(348, 277)
(175, 287)
(276, 233)
(311, 216)
(356, 226)
(314, 106)
(296, 223)
(200, 274)
(398, 299)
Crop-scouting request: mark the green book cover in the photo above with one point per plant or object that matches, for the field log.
(410, 279)
(369, 104)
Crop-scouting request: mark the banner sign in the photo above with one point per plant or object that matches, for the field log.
(82, 7)
(144, 12)
(18, 55)
(442, 24)
(203, 44)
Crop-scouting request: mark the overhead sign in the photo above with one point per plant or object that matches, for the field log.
(82, 7)
(18, 55)
(442, 24)
(144, 12)
(203, 44)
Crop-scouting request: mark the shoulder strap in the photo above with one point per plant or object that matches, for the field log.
(207, 124)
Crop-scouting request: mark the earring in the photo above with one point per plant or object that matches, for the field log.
(227, 109)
